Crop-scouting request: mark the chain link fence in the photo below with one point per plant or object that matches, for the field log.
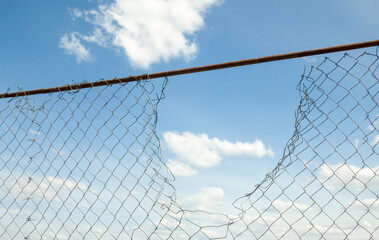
(86, 164)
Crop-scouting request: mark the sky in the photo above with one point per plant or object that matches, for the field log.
(221, 131)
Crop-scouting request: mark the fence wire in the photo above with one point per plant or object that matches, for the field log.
(87, 165)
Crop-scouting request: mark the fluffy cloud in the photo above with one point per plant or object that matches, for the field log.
(50, 188)
(339, 175)
(201, 151)
(72, 46)
(97, 37)
(207, 199)
(180, 169)
(148, 31)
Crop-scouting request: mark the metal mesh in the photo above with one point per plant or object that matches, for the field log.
(82, 165)
(86, 165)
(326, 184)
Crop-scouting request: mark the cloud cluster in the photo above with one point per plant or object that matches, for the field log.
(202, 151)
(340, 175)
(207, 199)
(180, 169)
(146, 31)
(50, 188)
(72, 46)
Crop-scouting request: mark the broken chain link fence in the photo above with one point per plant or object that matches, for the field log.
(86, 164)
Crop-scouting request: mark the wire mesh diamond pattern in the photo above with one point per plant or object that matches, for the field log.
(86, 164)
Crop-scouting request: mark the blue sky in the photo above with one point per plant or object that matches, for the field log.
(50, 43)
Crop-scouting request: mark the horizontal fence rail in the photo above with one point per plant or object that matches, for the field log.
(205, 68)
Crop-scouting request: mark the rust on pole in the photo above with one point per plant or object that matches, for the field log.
(251, 61)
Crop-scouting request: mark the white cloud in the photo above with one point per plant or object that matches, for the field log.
(284, 206)
(375, 123)
(207, 199)
(354, 177)
(149, 31)
(47, 187)
(57, 236)
(76, 13)
(356, 142)
(374, 126)
(201, 151)
(72, 46)
(180, 169)
(34, 132)
(59, 152)
(310, 59)
(369, 203)
(97, 37)
(375, 141)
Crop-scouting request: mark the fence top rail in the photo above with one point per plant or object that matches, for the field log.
(217, 66)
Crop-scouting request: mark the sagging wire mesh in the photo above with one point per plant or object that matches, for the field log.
(82, 164)
(86, 165)
(326, 184)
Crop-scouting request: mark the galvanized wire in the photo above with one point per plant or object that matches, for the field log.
(86, 164)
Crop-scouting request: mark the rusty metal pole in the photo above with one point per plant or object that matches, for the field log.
(197, 69)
